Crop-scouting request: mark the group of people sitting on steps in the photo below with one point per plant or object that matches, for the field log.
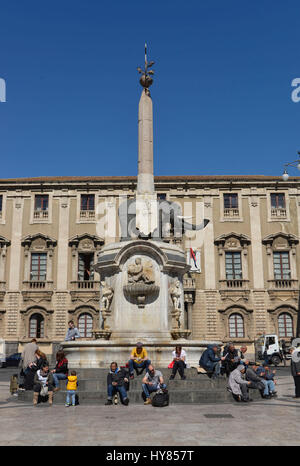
(118, 379)
(242, 374)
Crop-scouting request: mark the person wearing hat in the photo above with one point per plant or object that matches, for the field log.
(138, 360)
(238, 386)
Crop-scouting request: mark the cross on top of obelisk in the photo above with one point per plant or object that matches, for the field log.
(146, 79)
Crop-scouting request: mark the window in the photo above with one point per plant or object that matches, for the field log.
(87, 202)
(233, 266)
(41, 202)
(36, 326)
(236, 326)
(38, 266)
(285, 325)
(85, 325)
(85, 262)
(231, 201)
(278, 201)
(281, 261)
(231, 206)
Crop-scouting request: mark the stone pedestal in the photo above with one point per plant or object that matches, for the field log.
(142, 275)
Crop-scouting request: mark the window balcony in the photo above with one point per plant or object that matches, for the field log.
(277, 212)
(189, 284)
(86, 289)
(40, 215)
(231, 213)
(87, 215)
(236, 288)
(283, 288)
(37, 289)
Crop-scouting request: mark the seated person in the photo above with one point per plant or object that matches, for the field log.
(179, 359)
(152, 382)
(61, 369)
(138, 360)
(116, 382)
(231, 359)
(267, 378)
(242, 352)
(43, 378)
(237, 384)
(40, 360)
(256, 381)
(210, 361)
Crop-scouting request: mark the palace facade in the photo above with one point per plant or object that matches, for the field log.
(244, 278)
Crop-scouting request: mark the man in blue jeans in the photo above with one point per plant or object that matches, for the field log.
(152, 382)
(211, 362)
(138, 360)
(116, 380)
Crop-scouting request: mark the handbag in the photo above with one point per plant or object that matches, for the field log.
(170, 366)
(44, 391)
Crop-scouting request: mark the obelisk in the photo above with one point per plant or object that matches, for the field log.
(146, 200)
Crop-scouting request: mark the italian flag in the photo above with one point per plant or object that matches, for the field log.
(193, 256)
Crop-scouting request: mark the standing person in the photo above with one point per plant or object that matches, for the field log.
(138, 360)
(295, 369)
(179, 359)
(210, 361)
(152, 382)
(116, 381)
(71, 389)
(43, 381)
(237, 385)
(72, 332)
(28, 355)
(61, 369)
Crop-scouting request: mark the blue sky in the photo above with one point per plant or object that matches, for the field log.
(221, 95)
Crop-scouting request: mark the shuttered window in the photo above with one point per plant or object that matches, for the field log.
(281, 266)
(85, 325)
(236, 326)
(38, 266)
(36, 326)
(285, 325)
(233, 266)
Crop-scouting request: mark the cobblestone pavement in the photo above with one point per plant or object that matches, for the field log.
(266, 422)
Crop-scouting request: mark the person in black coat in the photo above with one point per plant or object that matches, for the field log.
(117, 380)
(295, 369)
(231, 359)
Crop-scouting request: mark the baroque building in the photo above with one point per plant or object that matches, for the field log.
(244, 265)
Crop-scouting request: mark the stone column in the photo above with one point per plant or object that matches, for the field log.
(145, 183)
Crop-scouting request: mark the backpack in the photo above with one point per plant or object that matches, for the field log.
(161, 399)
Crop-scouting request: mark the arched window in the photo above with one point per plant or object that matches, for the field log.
(285, 325)
(236, 326)
(36, 326)
(85, 325)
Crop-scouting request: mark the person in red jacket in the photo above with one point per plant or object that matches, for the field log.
(61, 369)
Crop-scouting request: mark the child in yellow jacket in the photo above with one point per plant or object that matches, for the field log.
(71, 388)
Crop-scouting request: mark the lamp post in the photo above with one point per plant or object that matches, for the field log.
(296, 163)
(285, 177)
